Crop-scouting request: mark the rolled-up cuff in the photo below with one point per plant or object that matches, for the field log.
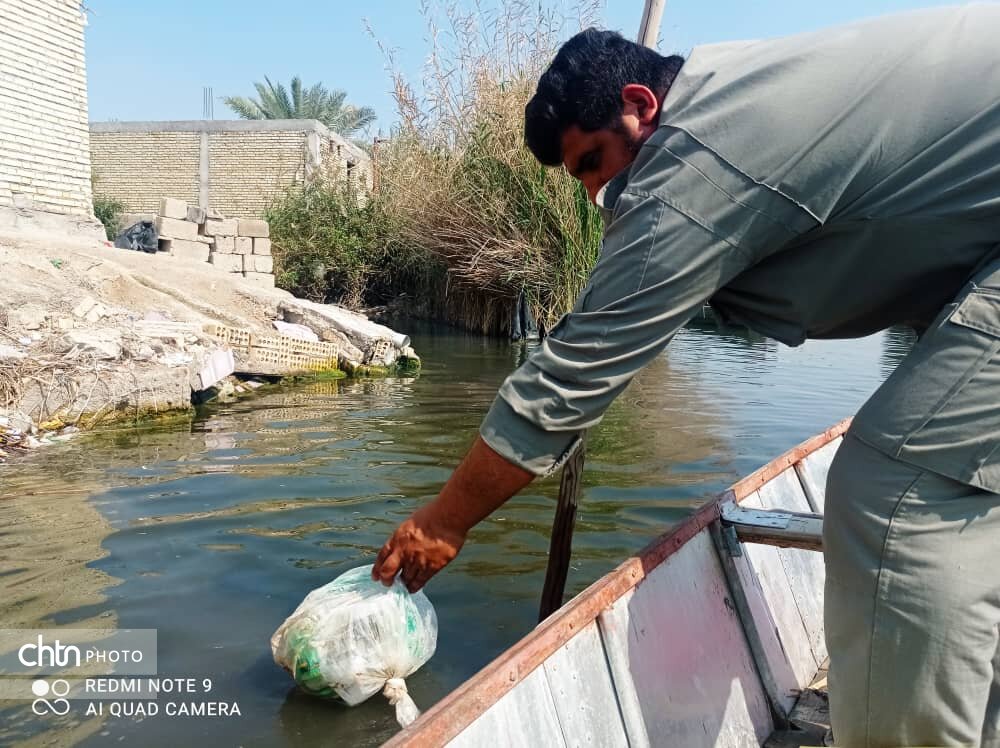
(522, 442)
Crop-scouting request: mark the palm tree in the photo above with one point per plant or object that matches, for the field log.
(274, 102)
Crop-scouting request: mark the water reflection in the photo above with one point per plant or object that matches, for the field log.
(213, 531)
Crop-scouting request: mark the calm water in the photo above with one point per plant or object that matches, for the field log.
(212, 531)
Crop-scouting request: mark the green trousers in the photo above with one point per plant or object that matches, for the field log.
(912, 604)
(912, 542)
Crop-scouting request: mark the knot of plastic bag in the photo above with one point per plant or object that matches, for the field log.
(406, 711)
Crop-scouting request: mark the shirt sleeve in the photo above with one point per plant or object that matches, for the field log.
(658, 265)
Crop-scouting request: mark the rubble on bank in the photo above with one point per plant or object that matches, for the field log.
(91, 334)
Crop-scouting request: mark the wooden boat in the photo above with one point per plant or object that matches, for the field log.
(708, 637)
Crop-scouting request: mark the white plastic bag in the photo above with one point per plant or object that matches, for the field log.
(354, 637)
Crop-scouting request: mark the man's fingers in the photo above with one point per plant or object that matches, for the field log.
(410, 572)
(388, 568)
(420, 579)
(383, 553)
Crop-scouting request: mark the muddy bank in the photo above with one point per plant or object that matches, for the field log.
(92, 334)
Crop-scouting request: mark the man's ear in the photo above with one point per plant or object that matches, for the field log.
(640, 102)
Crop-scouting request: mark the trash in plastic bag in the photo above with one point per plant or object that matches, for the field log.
(354, 637)
(140, 236)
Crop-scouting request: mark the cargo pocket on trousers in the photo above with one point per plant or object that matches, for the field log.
(959, 436)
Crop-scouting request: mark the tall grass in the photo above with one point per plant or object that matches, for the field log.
(459, 183)
(465, 219)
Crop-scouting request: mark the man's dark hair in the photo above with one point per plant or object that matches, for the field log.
(583, 87)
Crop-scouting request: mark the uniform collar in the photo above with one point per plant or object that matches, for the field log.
(608, 195)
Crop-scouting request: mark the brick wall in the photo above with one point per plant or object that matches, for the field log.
(44, 139)
(236, 167)
(140, 168)
(247, 169)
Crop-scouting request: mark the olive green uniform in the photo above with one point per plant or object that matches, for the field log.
(830, 185)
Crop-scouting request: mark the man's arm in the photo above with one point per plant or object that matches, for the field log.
(435, 533)
(660, 261)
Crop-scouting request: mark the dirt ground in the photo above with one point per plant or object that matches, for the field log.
(90, 332)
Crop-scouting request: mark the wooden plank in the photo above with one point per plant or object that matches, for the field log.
(583, 692)
(804, 569)
(467, 703)
(812, 471)
(778, 528)
(613, 625)
(758, 478)
(786, 679)
(693, 672)
(561, 540)
(766, 565)
(524, 718)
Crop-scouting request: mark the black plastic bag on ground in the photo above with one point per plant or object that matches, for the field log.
(140, 236)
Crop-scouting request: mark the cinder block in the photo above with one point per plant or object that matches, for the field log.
(173, 228)
(261, 246)
(258, 264)
(224, 244)
(185, 250)
(229, 263)
(253, 227)
(213, 214)
(260, 279)
(244, 245)
(196, 214)
(171, 208)
(225, 227)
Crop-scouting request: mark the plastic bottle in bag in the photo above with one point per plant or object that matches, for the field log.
(354, 637)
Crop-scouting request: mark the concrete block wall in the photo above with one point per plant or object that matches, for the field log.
(237, 167)
(197, 236)
(44, 137)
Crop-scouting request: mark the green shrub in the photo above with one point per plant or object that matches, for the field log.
(109, 212)
(331, 245)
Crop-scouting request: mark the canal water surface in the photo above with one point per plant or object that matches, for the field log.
(212, 531)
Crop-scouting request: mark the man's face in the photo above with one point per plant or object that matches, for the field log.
(595, 157)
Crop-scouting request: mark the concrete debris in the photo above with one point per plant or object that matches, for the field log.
(196, 214)
(119, 335)
(295, 331)
(83, 308)
(216, 366)
(105, 344)
(320, 317)
(10, 352)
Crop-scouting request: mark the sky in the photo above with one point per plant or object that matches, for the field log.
(151, 60)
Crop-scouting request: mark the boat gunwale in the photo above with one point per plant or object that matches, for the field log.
(470, 700)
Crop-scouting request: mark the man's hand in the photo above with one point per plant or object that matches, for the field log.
(434, 534)
(421, 546)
